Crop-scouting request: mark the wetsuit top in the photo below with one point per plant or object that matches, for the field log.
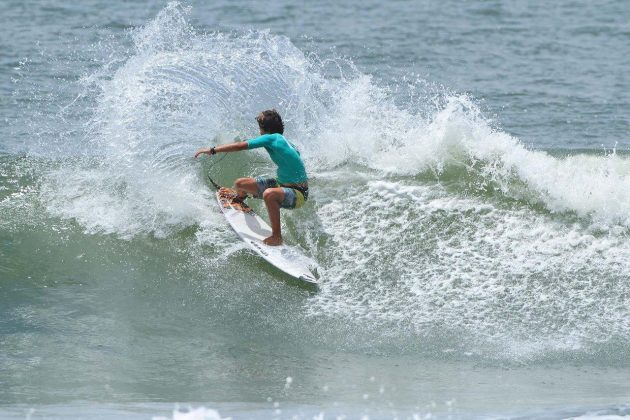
(284, 154)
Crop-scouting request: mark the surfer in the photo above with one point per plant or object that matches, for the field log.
(289, 190)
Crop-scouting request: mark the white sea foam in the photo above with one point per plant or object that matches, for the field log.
(417, 258)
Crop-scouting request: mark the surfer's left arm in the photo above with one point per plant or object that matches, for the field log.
(224, 148)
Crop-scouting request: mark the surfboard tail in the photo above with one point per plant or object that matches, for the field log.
(308, 279)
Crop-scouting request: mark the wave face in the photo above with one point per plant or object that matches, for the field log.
(432, 229)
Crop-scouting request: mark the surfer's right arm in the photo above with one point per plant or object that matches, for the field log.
(224, 148)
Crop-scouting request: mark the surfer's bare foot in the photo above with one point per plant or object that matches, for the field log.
(273, 241)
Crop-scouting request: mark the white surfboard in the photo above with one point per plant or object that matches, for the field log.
(252, 229)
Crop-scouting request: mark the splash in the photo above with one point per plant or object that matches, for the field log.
(431, 225)
(176, 92)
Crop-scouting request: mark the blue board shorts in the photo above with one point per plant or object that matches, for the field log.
(294, 197)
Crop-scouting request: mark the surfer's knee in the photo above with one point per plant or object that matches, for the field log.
(246, 184)
(242, 182)
(273, 194)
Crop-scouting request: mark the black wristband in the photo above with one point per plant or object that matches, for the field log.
(212, 151)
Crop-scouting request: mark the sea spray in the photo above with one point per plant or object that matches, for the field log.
(177, 91)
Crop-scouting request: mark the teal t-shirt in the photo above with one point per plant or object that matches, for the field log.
(291, 168)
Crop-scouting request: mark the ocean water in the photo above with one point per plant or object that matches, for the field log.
(469, 216)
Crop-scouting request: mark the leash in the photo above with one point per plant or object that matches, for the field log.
(214, 184)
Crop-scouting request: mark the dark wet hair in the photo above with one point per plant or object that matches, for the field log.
(270, 122)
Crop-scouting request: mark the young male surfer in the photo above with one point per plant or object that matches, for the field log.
(289, 190)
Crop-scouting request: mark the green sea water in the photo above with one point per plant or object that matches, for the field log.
(468, 216)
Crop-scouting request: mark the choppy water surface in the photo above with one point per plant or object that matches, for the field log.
(469, 217)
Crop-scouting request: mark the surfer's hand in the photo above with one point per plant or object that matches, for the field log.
(203, 151)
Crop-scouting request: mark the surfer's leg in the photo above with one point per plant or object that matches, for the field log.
(273, 198)
(246, 185)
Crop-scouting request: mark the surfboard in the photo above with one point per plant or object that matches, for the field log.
(252, 229)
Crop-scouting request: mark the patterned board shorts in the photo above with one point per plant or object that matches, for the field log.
(294, 198)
